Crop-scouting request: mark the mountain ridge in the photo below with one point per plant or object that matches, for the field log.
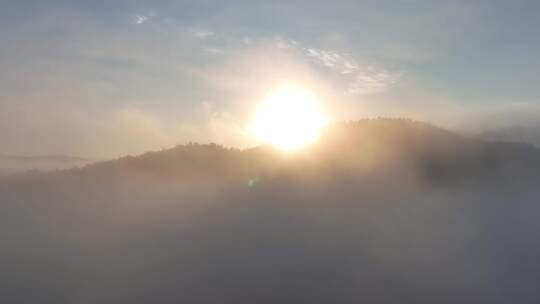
(369, 141)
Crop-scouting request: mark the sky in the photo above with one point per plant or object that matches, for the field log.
(102, 79)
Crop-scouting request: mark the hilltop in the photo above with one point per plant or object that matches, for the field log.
(390, 146)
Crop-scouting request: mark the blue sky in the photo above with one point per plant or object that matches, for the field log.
(106, 78)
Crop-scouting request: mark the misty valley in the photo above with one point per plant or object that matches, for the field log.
(376, 211)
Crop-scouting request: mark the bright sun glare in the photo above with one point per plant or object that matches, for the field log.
(289, 118)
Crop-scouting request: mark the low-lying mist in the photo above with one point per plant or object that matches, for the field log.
(378, 211)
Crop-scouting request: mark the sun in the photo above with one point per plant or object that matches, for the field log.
(288, 118)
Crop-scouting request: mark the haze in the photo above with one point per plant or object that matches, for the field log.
(269, 152)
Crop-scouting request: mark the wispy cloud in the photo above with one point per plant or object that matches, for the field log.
(328, 59)
(356, 78)
(214, 50)
(201, 33)
(139, 19)
(371, 80)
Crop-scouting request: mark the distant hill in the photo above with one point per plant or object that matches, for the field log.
(15, 164)
(526, 133)
(394, 147)
(371, 144)
(377, 211)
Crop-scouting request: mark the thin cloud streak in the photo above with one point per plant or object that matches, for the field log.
(201, 33)
(358, 79)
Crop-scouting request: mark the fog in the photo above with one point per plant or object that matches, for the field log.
(378, 211)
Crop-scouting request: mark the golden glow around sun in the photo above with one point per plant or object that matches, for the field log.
(288, 118)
